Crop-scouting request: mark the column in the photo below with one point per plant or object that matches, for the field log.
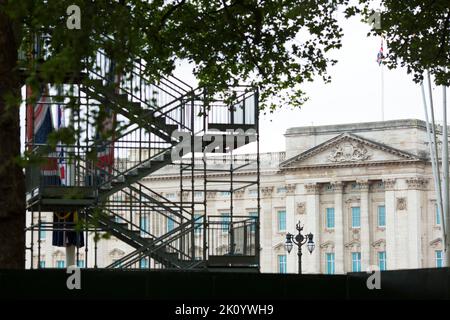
(338, 228)
(267, 230)
(365, 225)
(312, 208)
(291, 221)
(389, 203)
(414, 210)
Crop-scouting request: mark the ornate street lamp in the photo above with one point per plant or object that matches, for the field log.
(299, 240)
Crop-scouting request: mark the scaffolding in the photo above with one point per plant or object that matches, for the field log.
(128, 127)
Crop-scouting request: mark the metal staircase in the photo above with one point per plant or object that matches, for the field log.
(150, 112)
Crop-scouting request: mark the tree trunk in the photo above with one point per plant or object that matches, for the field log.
(12, 181)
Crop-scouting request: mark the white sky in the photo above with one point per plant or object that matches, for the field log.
(354, 95)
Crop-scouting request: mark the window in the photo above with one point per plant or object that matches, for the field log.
(42, 234)
(60, 264)
(143, 263)
(282, 220)
(356, 217)
(438, 215)
(198, 223)
(281, 190)
(225, 222)
(330, 218)
(330, 263)
(356, 261)
(253, 192)
(144, 225)
(439, 258)
(381, 216)
(254, 216)
(282, 264)
(42, 264)
(225, 193)
(382, 260)
(170, 224)
(80, 263)
(170, 195)
(198, 194)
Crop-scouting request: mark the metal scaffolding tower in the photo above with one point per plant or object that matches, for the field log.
(127, 127)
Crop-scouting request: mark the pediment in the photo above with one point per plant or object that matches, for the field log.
(348, 149)
(353, 244)
(379, 244)
(327, 245)
(436, 242)
(279, 246)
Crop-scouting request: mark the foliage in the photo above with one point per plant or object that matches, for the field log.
(229, 42)
(417, 33)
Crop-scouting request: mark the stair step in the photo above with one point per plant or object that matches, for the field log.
(132, 173)
(118, 180)
(163, 157)
(106, 186)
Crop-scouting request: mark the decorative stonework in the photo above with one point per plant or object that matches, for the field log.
(417, 183)
(379, 245)
(301, 208)
(363, 185)
(290, 188)
(211, 194)
(389, 184)
(401, 203)
(353, 199)
(267, 191)
(349, 151)
(327, 246)
(185, 195)
(312, 188)
(239, 193)
(436, 243)
(353, 245)
(337, 186)
(355, 234)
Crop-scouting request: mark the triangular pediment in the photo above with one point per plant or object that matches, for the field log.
(348, 149)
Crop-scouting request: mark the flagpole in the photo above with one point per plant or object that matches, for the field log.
(382, 91)
(446, 214)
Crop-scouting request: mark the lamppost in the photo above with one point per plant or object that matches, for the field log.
(299, 240)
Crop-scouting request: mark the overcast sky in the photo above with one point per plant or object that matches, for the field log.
(354, 95)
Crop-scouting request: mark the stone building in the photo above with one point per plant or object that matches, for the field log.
(364, 190)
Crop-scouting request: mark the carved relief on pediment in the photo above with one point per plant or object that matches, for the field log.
(349, 151)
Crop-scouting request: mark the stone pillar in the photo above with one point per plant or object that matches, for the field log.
(266, 230)
(391, 221)
(338, 228)
(414, 211)
(365, 225)
(312, 210)
(291, 259)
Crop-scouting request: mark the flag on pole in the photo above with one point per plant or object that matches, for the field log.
(61, 154)
(105, 134)
(380, 55)
(39, 126)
